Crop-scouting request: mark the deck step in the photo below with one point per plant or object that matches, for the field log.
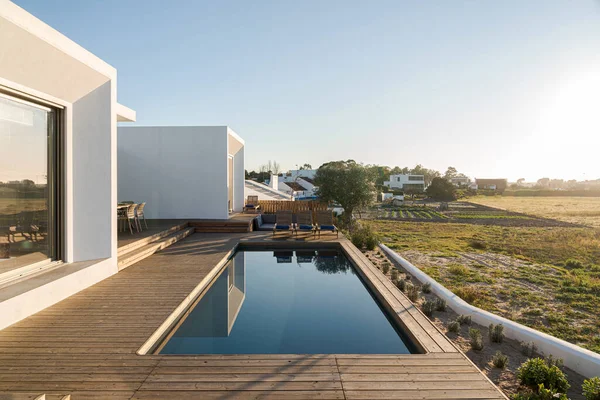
(140, 253)
(150, 239)
(222, 226)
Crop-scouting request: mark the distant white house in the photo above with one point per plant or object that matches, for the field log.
(406, 182)
(460, 181)
(182, 172)
(298, 183)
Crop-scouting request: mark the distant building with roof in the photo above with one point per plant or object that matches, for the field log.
(499, 185)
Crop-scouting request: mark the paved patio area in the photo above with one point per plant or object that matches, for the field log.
(86, 346)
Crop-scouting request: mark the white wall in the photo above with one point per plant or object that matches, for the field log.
(181, 172)
(92, 217)
(239, 179)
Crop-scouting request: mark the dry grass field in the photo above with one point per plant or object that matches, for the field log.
(578, 210)
(11, 206)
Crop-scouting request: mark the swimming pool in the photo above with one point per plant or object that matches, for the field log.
(286, 302)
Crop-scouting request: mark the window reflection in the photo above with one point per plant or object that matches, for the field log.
(24, 176)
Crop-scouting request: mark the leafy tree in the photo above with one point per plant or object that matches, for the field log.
(427, 173)
(306, 166)
(346, 182)
(451, 172)
(441, 189)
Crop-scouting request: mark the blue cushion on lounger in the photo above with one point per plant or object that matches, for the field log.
(328, 227)
(282, 226)
(250, 206)
(303, 226)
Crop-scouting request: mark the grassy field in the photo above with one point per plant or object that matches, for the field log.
(578, 210)
(11, 206)
(545, 278)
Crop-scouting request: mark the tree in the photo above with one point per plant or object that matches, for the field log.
(306, 166)
(451, 172)
(520, 181)
(441, 189)
(427, 173)
(346, 182)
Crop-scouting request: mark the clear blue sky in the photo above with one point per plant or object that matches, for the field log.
(494, 88)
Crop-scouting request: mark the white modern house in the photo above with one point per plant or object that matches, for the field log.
(182, 172)
(406, 182)
(298, 183)
(58, 165)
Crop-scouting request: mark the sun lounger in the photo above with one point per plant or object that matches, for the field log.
(325, 222)
(304, 222)
(251, 204)
(283, 222)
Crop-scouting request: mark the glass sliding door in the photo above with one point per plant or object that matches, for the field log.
(29, 184)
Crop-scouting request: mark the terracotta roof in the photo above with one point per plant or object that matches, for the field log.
(295, 186)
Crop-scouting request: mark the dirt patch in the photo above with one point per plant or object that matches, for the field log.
(505, 379)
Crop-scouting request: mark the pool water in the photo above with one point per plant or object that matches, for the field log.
(286, 302)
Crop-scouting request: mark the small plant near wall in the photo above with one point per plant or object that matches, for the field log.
(428, 307)
(542, 393)
(500, 360)
(475, 339)
(528, 349)
(551, 360)
(464, 319)
(394, 274)
(591, 388)
(401, 284)
(454, 326)
(412, 292)
(385, 268)
(440, 305)
(496, 333)
(536, 371)
(426, 288)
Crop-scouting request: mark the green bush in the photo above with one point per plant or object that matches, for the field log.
(550, 360)
(454, 326)
(528, 349)
(464, 319)
(468, 293)
(412, 292)
(496, 333)
(573, 264)
(499, 360)
(475, 339)
(440, 305)
(536, 371)
(401, 284)
(541, 393)
(364, 237)
(394, 274)
(477, 244)
(428, 307)
(591, 388)
(385, 268)
(426, 288)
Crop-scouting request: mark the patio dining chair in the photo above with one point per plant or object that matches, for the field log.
(139, 214)
(129, 216)
(325, 222)
(283, 221)
(304, 222)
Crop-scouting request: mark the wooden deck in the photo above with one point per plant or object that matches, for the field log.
(86, 346)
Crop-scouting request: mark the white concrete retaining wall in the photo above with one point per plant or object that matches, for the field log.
(583, 361)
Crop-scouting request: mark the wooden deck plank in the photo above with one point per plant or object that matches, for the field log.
(86, 346)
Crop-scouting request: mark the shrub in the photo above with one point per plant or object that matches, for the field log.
(394, 274)
(573, 264)
(496, 333)
(454, 326)
(428, 308)
(476, 340)
(363, 236)
(407, 277)
(550, 360)
(499, 360)
(591, 388)
(401, 284)
(440, 305)
(535, 372)
(477, 244)
(528, 349)
(385, 268)
(412, 292)
(541, 394)
(457, 269)
(426, 288)
(468, 293)
(464, 319)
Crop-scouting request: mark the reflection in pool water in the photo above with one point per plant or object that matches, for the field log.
(287, 302)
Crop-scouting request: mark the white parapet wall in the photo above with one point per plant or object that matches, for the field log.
(578, 359)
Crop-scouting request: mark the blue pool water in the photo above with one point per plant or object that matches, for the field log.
(286, 302)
